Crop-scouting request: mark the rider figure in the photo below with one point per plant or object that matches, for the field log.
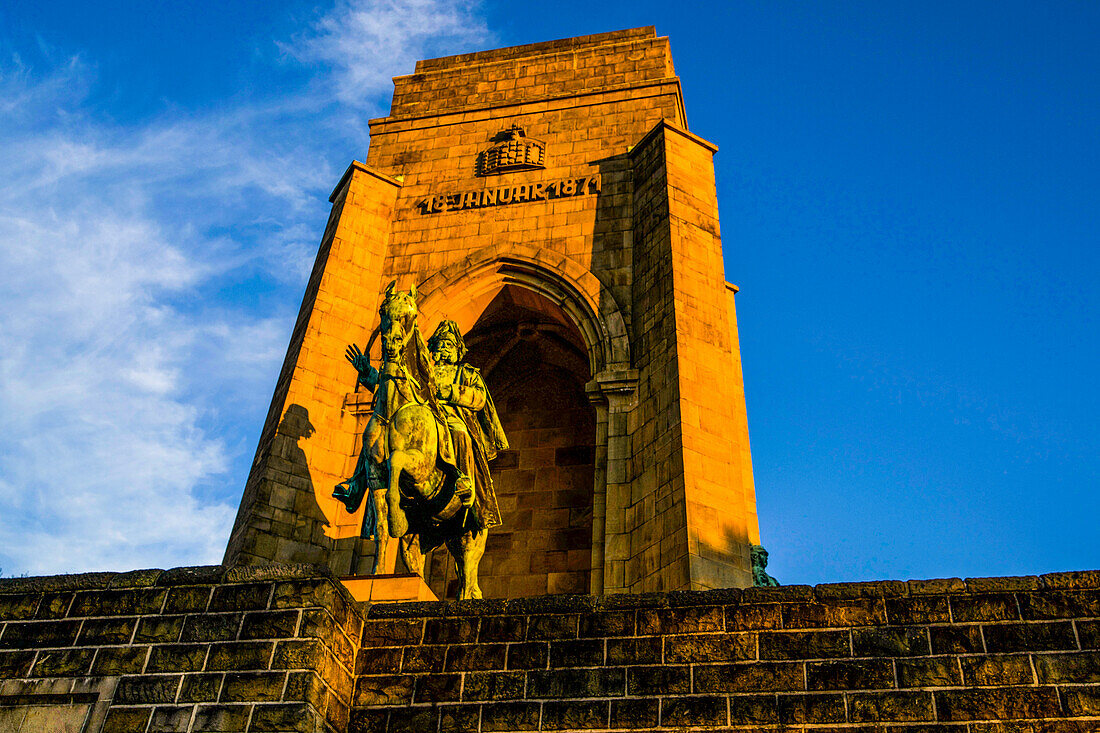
(475, 428)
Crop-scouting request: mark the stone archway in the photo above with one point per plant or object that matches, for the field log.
(462, 292)
(534, 361)
(523, 308)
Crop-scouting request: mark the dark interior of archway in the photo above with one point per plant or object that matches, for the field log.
(533, 359)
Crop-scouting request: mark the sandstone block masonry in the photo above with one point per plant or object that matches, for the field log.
(608, 240)
(278, 648)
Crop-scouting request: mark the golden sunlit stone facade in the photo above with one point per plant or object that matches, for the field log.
(551, 201)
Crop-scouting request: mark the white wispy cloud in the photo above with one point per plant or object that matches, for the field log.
(127, 357)
(366, 44)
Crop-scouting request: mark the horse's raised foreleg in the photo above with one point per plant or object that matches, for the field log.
(467, 551)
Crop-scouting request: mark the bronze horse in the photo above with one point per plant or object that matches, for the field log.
(413, 487)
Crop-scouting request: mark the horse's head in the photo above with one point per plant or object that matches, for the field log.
(398, 314)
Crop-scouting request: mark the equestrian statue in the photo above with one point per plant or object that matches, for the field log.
(425, 458)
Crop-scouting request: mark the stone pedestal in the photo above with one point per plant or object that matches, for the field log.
(388, 588)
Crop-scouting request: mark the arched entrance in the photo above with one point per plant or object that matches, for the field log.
(535, 363)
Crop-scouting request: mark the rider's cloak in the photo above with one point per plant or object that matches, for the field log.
(473, 405)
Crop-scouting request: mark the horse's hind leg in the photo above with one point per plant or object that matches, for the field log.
(410, 553)
(467, 551)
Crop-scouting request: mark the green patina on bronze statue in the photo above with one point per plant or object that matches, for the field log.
(759, 558)
(427, 446)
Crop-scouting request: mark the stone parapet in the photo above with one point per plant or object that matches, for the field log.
(983, 654)
(190, 649)
(285, 648)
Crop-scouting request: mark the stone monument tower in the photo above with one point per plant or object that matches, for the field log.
(550, 200)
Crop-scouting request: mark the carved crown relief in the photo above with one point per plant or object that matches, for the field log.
(514, 151)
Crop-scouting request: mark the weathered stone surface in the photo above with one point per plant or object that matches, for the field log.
(956, 639)
(713, 647)
(510, 716)
(641, 650)
(493, 686)
(194, 575)
(200, 687)
(135, 579)
(754, 709)
(240, 597)
(1080, 579)
(749, 677)
(45, 583)
(126, 720)
(434, 688)
(693, 711)
(877, 707)
(577, 653)
(861, 674)
(119, 602)
(470, 657)
(657, 680)
(1000, 703)
(413, 720)
(269, 624)
(575, 715)
(997, 669)
(240, 655)
(253, 686)
(34, 634)
(985, 607)
(1037, 637)
(918, 610)
(179, 658)
(804, 644)
(384, 690)
(144, 690)
(843, 612)
(100, 632)
(635, 713)
(811, 708)
(1079, 668)
(116, 660)
(528, 655)
(584, 671)
(928, 672)
(890, 642)
(63, 663)
(395, 632)
(580, 683)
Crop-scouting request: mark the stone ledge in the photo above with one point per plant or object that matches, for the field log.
(219, 574)
(512, 53)
(192, 575)
(824, 593)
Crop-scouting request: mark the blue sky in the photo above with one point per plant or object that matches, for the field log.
(909, 201)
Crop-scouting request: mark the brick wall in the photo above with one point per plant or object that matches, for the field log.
(943, 655)
(259, 648)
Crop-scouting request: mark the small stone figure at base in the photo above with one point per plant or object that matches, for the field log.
(760, 578)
